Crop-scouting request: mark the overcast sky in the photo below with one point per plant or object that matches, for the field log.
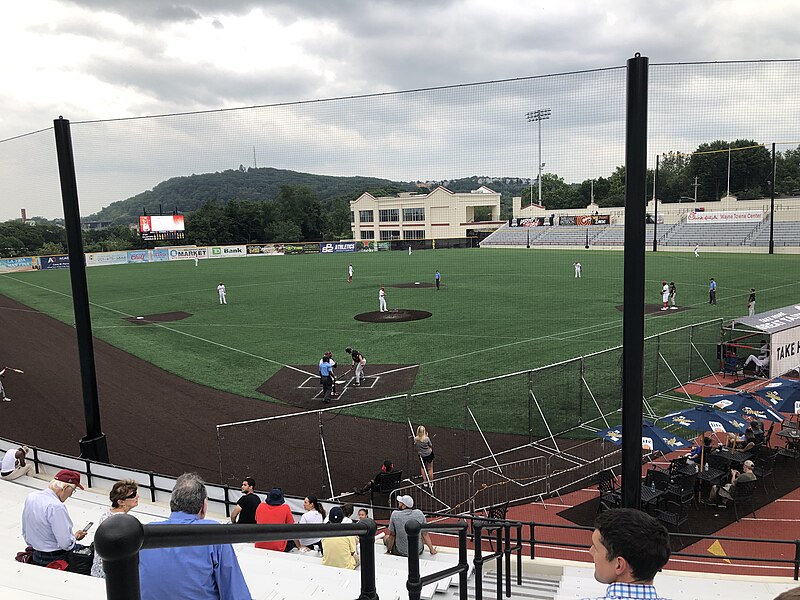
(107, 59)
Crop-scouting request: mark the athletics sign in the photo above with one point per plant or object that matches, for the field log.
(722, 216)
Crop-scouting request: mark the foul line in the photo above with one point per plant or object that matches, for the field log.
(190, 335)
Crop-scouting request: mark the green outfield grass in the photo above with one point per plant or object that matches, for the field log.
(499, 311)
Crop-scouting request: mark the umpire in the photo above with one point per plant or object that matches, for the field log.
(326, 378)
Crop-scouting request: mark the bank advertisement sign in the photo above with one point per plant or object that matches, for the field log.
(15, 265)
(60, 261)
(725, 216)
(228, 251)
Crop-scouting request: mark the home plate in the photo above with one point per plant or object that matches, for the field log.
(416, 283)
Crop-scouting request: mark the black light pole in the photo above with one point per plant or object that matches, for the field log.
(93, 446)
(655, 202)
(772, 204)
(634, 265)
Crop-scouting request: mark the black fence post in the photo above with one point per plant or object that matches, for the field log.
(462, 561)
(532, 540)
(634, 275)
(498, 536)
(414, 585)
(796, 559)
(507, 553)
(519, 553)
(368, 587)
(118, 544)
(772, 207)
(477, 530)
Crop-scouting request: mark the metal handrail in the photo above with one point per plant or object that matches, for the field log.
(415, 581)
(119, 543)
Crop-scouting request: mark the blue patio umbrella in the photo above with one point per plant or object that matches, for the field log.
(782, 394)
(653, 438)
(706, 418)
(746, 405)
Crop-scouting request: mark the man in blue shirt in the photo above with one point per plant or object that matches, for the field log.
(191, 572)
(438, 278)
(628, 548)
(712, 292)
(326, 377)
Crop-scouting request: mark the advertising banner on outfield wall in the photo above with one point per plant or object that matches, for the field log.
(331, 247)
(187, 253)
(228, 251)
(94, 259)
(264, 249)
(16, 265)
(585, 220)
(159, 254)
(530, 222)
(60, 261)
(725, 216)
(301, 249)
(138, 256)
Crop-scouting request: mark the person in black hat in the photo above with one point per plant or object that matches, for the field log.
(376, 483)
(339, 551)
(275, 511)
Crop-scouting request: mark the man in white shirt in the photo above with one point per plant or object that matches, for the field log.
(221, 292)
(664, 294)
(577, 266)
(46, 524)
(14, 465)
(350, 274)
(382, 300)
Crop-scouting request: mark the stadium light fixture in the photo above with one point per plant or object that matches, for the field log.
(538, 115)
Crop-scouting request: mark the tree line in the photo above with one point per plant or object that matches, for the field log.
(679, 174)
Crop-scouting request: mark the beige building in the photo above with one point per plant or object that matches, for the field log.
(412, 216)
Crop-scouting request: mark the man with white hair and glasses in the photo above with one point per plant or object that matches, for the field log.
(46, 524)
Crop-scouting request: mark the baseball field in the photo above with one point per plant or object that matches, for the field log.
(498, 311)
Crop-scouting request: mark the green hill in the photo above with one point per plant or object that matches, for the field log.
(188, 194)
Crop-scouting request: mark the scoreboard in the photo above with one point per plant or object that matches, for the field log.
(162, 227)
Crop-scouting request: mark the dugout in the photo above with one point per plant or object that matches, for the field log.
(781, 330)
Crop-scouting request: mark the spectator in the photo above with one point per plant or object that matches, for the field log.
(694, 456)
(761, 364)
(425, 450)
(347, 509)
(124, 496)
(726, 492)
(363, 514)
(376, 483)
(758, 431)
(339, 551)
(315, 513)
(396, 540)
(46, 524)
(14, 465)
(245, 510)
(628, 548)
(792, 594)
(191, 572)
(274, 511)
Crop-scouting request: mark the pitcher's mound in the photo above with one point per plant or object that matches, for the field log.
(653, 309)
(159, 318)
(394, 315)
(413, 284)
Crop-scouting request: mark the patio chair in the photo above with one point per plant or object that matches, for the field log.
(388, 483)
(497, 512)
(768, 435)
(764, 467)
(683, 489)
(609, 495)
(732, 365)
(743, 493)
(675, 514)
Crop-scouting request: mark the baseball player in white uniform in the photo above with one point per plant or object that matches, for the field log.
(382, 300)
(664, 294)
(350, 274)
(221, 292)
(577, 266)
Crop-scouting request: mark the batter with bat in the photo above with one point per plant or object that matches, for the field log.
(3, 396)
(358, 363)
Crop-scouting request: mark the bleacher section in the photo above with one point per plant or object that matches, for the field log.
(274, 575)
(787, 233)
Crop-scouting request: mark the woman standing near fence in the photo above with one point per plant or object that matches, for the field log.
(424, 448)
